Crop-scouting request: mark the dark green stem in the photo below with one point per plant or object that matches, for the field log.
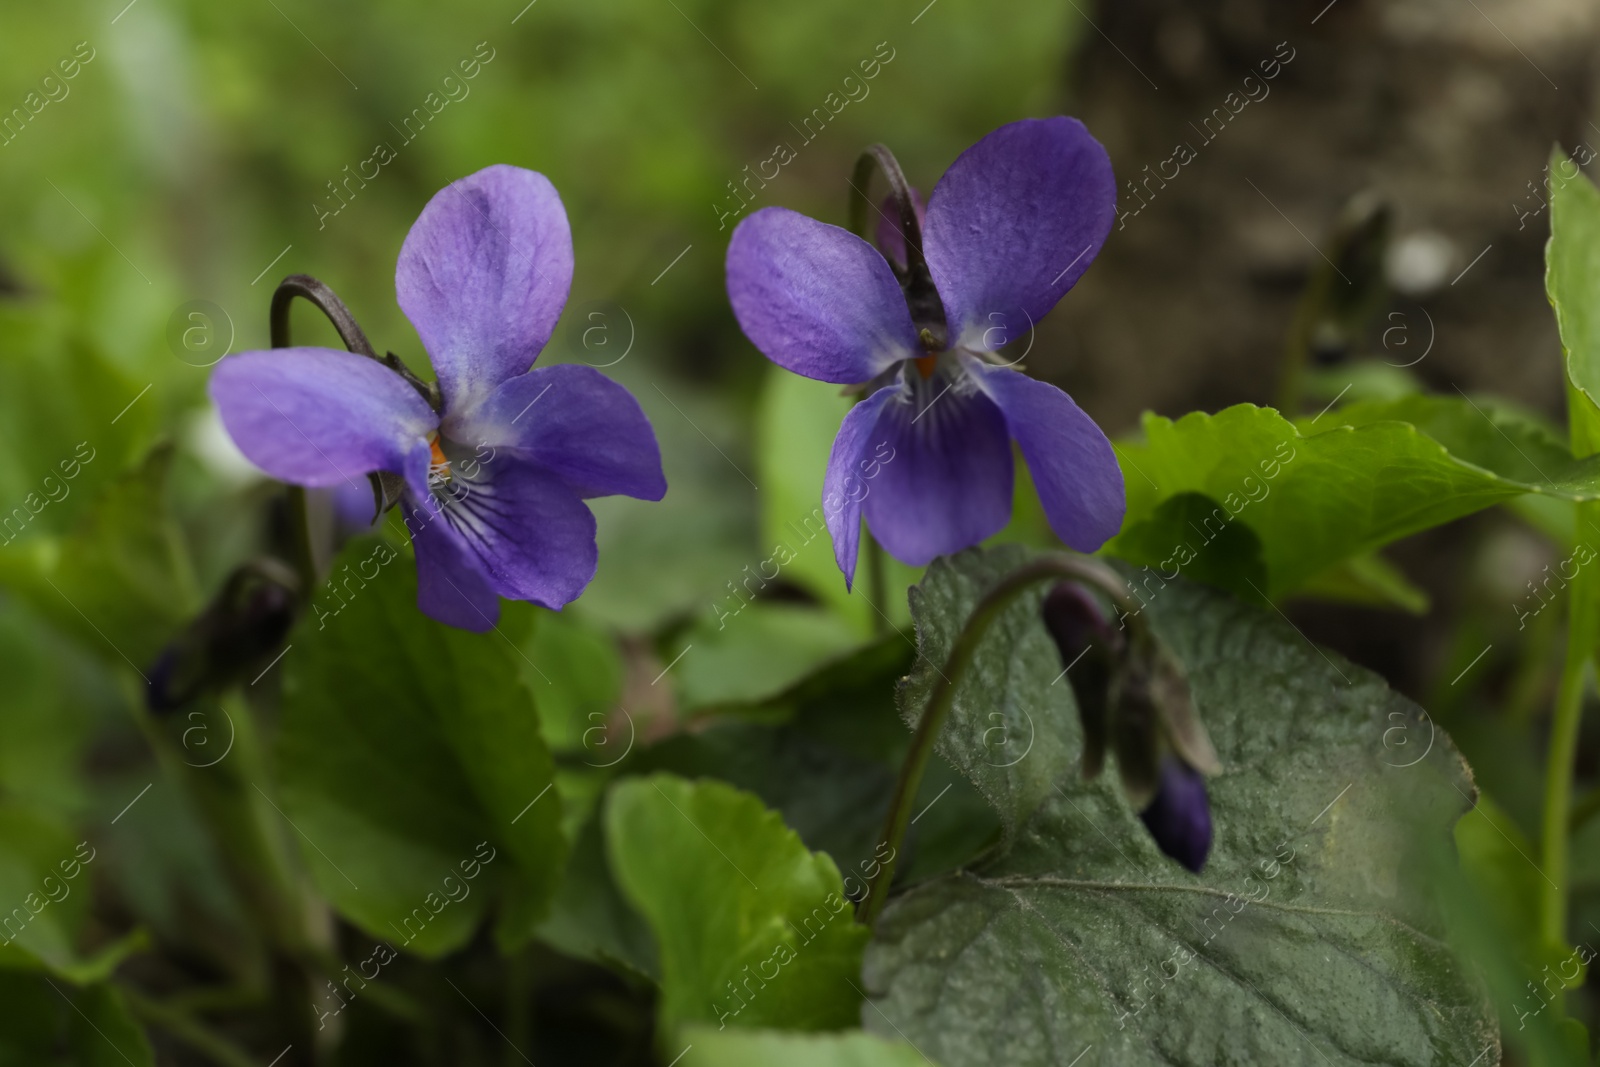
(1056, 565)
(1583, 629)
(187, 1029)
(305, 556)
(1556, 847)
(519, 1006)
(1585, 809)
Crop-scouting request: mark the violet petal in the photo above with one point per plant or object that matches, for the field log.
(947, 484)
(843, 487)
(452, 587)
(320, 417)
(575, 422)
(1013, 223)
(816, 299)
(1073, 465)
(483, 276)
(528, 531)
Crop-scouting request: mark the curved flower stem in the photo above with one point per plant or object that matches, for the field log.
(927, 311)
(879, 157)
(1056, 565)
(326, 301)
(350, 332)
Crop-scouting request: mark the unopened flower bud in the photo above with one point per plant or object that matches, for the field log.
(1179, 817)
(1090, 649)
(248, 619)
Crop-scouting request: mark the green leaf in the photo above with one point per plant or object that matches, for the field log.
(1494, 857)
(1367, 379)
(1339, 486)
(48, 1023)
(769, 1048)
(45, 886)
(1493, 917)
(754, 651)
(589, 918)
(411, 763)
(1310, 937)
(66, 427)
(574, 670)
(45, 876)
(660, 560)
(753, 929)
(1371, 581)
(1572, 280)
(120, 582)
(824, 756)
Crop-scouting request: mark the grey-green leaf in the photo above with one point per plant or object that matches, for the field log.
(1012, 729)
(1310, 938)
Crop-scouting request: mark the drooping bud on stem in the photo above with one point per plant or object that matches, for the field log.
(1090, 650)
(1179, 818)
(1133, 695)
(246, 622)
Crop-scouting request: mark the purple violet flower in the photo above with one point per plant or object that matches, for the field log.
(1009, 229)
(496, 479)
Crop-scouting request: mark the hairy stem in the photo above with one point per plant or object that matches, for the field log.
(1056, 565)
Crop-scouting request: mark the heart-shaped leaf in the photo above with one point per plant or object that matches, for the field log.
(753, 929)
(1248, 501)
(1311, 937)
(412, 764)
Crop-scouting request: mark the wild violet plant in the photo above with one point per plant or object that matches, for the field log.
(787, 879)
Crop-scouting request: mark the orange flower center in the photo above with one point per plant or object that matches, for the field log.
(439, 466)
(925, 365)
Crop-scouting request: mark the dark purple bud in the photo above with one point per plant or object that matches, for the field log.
(1089, 649)
(890, 241)
(247, 621)
(1179, 818)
